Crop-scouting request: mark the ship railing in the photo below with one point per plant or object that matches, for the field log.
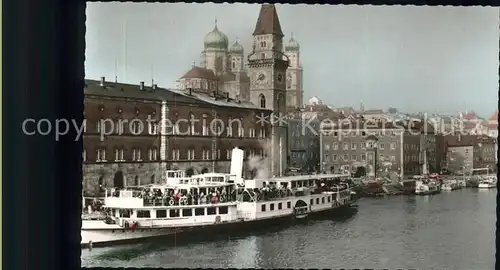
(170, 201)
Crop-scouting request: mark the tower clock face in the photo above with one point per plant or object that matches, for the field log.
(261, 77)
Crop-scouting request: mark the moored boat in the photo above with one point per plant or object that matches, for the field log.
(489, 182)
(427, 187)
(213, 202)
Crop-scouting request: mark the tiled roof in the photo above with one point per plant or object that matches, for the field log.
(268, 21)
(121, 90)
(200, 73)
(375, 111)
(469, 116)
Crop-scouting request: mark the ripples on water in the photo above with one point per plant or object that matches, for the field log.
(454, 230)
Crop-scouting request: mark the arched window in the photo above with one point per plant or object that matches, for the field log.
(234, 65)
(262, 101)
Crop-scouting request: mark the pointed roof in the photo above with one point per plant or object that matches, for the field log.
(268, 21)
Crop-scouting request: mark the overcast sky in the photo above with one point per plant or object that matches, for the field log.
(434, 59)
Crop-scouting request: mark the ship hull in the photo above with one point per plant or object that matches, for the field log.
(113, 237)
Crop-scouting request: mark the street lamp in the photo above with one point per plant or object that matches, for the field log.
(371, 143)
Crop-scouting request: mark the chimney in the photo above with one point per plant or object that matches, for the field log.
(103, 80)
(155, 86)
(141, 86)
(227, 96)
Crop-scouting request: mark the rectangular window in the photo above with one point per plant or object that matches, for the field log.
(311, 202)
(393, 146)
(143, 214)
(346, 157)
(205, 130)
(211, 210)
(317, 200)
(382, 146)
(175, 154)
(335, 146)
(271, 207)
(223, 210)
(323, 200)
(353, 146)
(161, 213)
(353, 157)
(346, 146)
(187, 212)
(101, 155)
(288, 205)
(263, 208)
(174, 213)
(334, 157)
(280, 206)
(199, 211)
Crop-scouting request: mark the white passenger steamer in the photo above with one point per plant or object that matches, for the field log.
(212, 202)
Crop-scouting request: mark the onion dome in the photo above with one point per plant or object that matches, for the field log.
(236, 48)
(292, 46)
(216, 39)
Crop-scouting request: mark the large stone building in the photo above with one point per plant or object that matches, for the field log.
(344, 147)
(402, 149)
(189, 130)
(220, 92)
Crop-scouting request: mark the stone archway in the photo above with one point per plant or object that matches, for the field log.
(118, 181)
(205, 170)
(189, 172)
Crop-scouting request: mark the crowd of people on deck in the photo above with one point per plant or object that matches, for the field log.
(184, 197)
(271, 191)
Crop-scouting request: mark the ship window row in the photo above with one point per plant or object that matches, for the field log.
(323, 200)
(186, 212)
(263, 207)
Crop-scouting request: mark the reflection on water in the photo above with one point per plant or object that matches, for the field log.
(453, 230)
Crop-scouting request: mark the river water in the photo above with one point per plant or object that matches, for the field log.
(454, 230)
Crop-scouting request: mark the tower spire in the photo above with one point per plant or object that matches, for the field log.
(216, 22)
(268, 21)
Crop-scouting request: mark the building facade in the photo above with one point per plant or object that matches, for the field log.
(186, 130)
(303, 144)
(344, 148)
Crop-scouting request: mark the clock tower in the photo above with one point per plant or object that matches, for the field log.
(267, 65)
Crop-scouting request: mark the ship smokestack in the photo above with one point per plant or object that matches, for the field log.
(237, 165)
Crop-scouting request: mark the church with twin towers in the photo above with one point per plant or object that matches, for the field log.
(269, 76)
(239, 75)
